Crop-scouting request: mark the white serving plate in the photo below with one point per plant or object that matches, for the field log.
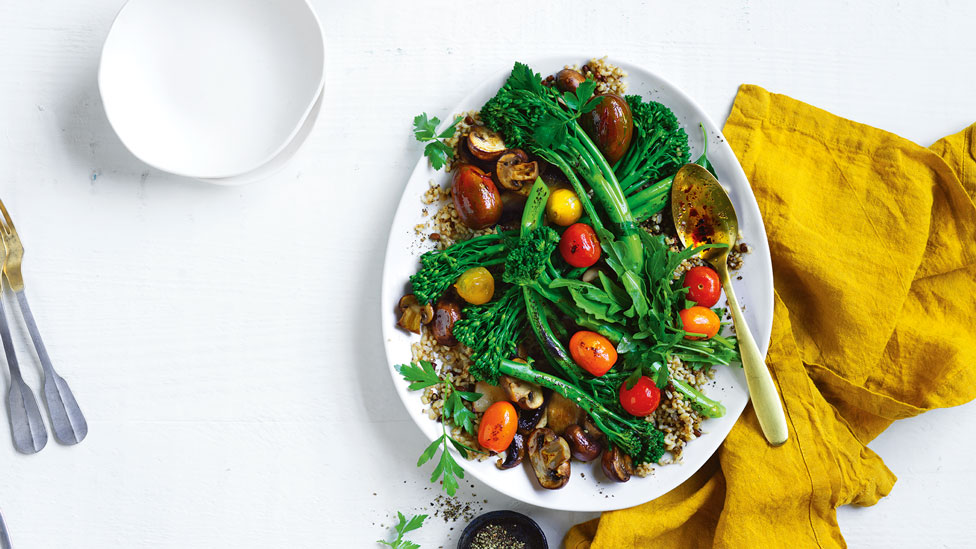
(211, 89)
(594, 492)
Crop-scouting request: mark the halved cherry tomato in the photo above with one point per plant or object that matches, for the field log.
(579, 245)
(699, 320)
(641, 399)
(593, 352)
(498, 426)
(476, 286)
(704, 287)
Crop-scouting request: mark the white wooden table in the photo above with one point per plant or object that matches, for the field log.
(225, 343)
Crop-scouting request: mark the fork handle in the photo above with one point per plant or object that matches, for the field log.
(67, 421)
(34, 333)
(8, 347)
(26, 425)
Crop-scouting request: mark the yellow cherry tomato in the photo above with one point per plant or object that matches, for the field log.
(564, 207)
(476, 286)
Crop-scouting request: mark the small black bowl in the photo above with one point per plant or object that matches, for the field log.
(518, 525)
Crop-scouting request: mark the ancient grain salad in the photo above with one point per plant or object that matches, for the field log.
(558, 317)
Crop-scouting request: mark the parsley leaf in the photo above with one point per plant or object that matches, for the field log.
(402, 527)
(425, 129)
(421, 374)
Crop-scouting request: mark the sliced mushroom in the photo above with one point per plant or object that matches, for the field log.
(617, 465)
(582, 445)
(514, 453)
(485, 144)
(413, 314)
(561, 413)
(549, 456)
(446, 314)
(514, 171)
(490, 394)
(528, 420)
(527, 395)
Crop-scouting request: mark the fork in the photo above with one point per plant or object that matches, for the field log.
(67, 421)
(26, 424)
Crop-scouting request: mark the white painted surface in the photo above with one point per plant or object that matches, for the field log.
(224, 341)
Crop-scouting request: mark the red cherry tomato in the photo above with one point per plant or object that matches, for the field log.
(641, 399)
(498, 426)
(704, 287)
(699, 320)
(579, 245)
(593, 352)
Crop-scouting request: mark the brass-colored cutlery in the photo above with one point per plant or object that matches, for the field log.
(704, 214)
(67, 421)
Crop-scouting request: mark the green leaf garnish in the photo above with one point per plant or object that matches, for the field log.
(437, 151)
(402, 527)
(422, 375)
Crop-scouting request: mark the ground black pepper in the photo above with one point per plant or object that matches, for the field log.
(453, 509)
(494, 536)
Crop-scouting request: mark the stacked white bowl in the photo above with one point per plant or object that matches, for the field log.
(224, 91)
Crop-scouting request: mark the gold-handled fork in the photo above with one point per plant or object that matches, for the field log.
(26, 425)
(67, 421)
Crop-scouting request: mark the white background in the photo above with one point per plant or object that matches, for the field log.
(224, 342)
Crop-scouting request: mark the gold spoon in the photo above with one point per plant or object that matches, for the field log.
(703, 214)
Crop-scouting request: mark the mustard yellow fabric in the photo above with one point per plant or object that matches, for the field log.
(873, 243)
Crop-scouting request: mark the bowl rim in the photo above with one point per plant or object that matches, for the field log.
(320, 87)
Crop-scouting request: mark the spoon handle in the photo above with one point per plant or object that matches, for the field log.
(762, 390)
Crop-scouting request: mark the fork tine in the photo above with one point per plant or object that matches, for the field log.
(9, 225)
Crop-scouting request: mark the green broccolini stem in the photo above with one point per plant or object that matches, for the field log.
(605, 419)
(706, 406)
(557, 355)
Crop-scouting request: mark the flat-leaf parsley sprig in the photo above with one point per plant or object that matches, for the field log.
(422, 375)
(402, 528)
(425, 130)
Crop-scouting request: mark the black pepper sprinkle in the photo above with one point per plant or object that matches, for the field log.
(494, 536)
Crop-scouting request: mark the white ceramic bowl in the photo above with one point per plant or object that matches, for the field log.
(755, 289)
(211, 89)
(272, 166)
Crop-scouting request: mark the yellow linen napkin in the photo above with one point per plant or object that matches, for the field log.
(873, 243)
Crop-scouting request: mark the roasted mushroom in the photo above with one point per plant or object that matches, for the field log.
(527, 395)
(592, 430)
(446, 313)
(528, 420)
(490, 394)
(514, 453)
(567, 80)
(485, 144)
(561, 413)
(413, 315)
(617, 465)
(549, 456)
(583, 446)
(514, 171)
